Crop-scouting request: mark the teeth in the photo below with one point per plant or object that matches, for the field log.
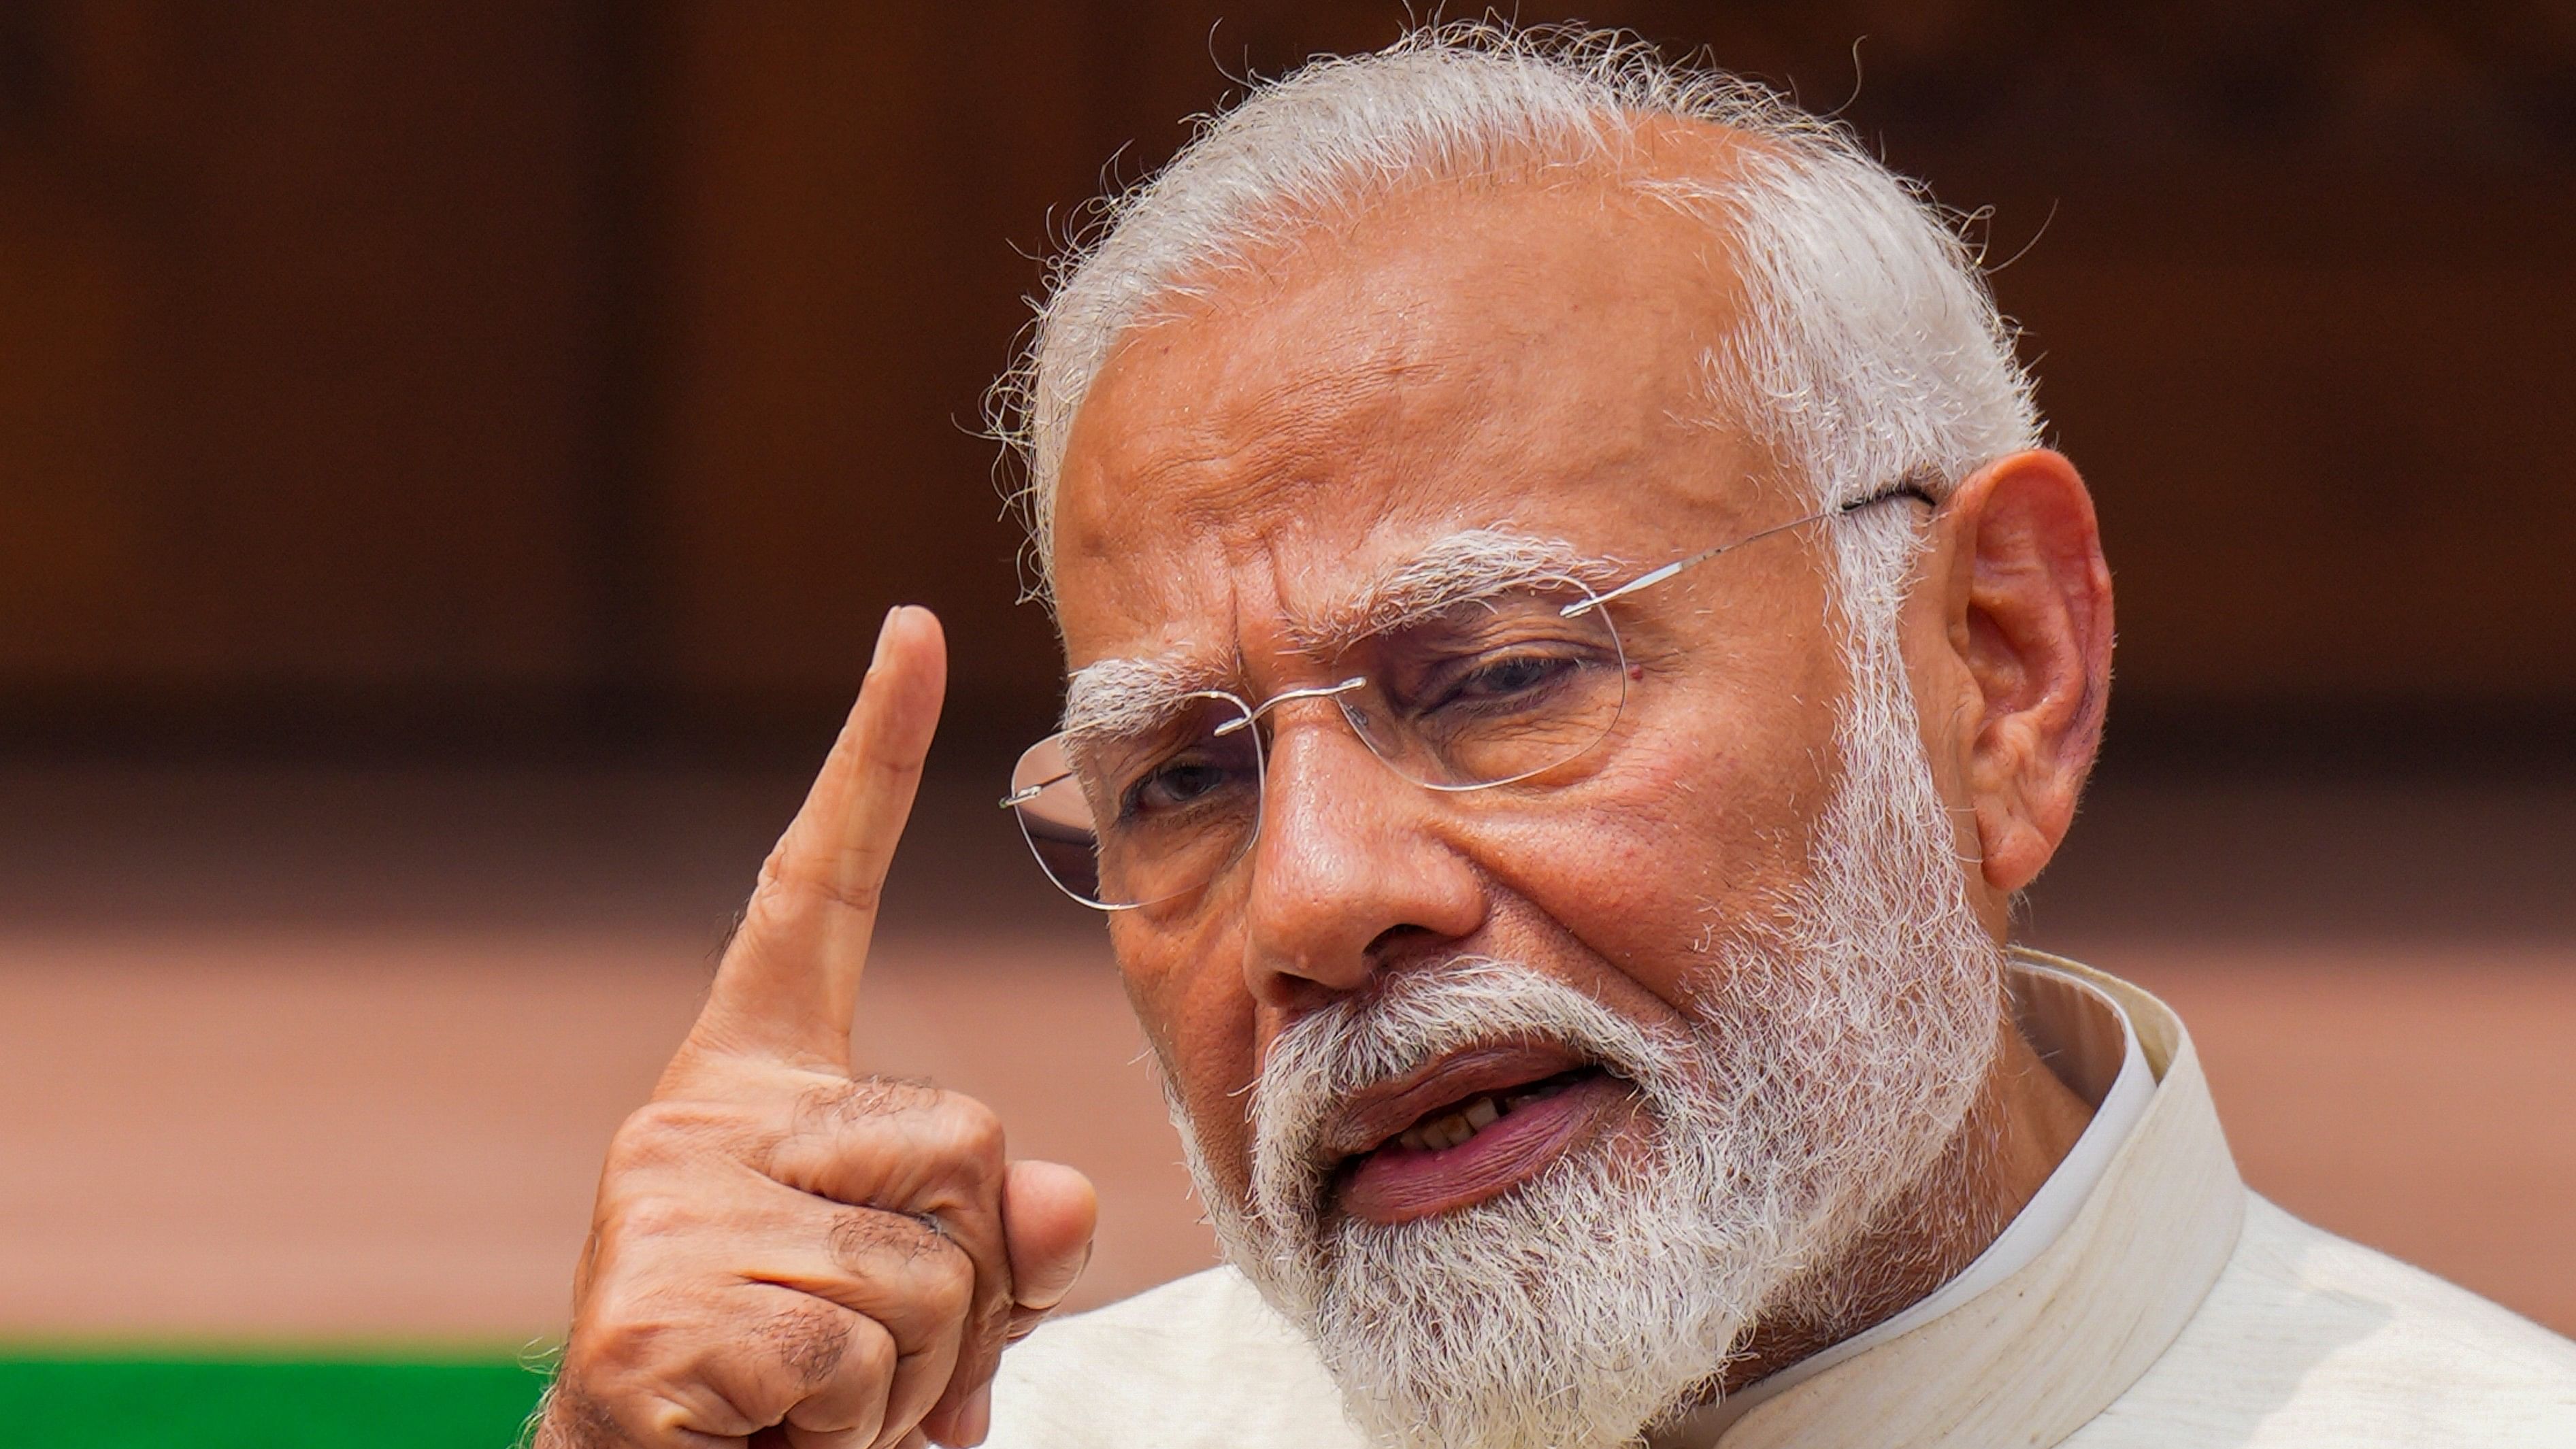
(1451, 1128)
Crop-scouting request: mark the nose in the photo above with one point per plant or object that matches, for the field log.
(1351, 870)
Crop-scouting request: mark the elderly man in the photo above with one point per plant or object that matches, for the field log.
(1574, 647)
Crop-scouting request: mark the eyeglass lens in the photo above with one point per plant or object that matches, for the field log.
(1483, 693)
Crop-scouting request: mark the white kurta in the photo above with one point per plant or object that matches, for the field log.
(2174, 1309)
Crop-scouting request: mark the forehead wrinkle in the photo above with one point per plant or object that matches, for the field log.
(1472, 564)
(1132, 695)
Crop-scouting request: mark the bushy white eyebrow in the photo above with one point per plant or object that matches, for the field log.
(1131, 696)
(1121, 696)
(1473, 564)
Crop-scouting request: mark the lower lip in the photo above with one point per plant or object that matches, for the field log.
(1398, 1184)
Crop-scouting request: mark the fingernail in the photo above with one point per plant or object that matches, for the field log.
(885, 631)
(977, 1420)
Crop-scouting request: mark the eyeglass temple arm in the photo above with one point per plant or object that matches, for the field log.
(1029, 793)
(1907, 489)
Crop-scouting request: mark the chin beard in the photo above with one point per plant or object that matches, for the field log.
(1568, 1312)
(1610, 1292)
(1832, 1055)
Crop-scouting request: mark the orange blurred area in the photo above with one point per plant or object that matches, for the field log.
(328, 1055)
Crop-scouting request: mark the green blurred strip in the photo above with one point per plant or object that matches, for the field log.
(74, 1401)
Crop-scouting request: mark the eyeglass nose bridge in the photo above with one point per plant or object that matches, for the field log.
(1322, 691)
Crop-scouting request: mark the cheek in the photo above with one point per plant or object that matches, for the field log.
(1700, 829)
(1188, 995)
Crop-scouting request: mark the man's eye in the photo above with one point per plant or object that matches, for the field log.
(1506, 679)
(1174, 784)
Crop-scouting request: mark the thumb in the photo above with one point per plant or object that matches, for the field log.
(1049, 1212)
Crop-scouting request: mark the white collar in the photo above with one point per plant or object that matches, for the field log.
(2086, 1037)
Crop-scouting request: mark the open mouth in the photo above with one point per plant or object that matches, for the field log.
(1473, 1128)
(1455, 1126)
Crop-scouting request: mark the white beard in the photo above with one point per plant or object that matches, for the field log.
(1835, 1056)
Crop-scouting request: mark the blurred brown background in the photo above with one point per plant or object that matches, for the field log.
(453, 458)
(574, 374)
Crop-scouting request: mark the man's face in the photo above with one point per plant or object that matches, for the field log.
(1529, 362)
(1594, 1023)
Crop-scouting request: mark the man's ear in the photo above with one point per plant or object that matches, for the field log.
(2030, 619)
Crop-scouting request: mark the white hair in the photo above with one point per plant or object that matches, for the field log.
(1832, 1054)
(1869, 348)
(1838, 1048)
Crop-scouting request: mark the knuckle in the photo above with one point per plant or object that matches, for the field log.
(660, 1134)
(808, 1340)
(873, 1356)
(686, 1365)
(880, 1096)
(933, 1278)
(631, 1217)
(836, 1104)
(823, 1116)
(973, 1132)
(684, 1140)
(819, 1105)
(622, 1332)
(639, 1147)
(862, 1239)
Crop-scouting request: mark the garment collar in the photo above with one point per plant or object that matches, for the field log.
(2083, 1290)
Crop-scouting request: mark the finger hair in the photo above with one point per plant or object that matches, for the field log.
(877, 1096)
(809, 1339)
(827, 1107)
(863, 1236)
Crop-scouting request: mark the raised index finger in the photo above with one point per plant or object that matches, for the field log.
(790, 980)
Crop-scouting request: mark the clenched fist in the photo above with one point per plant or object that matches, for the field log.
(786, 1253)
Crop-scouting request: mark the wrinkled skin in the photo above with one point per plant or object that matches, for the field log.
(1512, 356)
(785, 1252)
(1532, 357)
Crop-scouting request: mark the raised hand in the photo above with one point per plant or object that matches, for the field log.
(784, 1252)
